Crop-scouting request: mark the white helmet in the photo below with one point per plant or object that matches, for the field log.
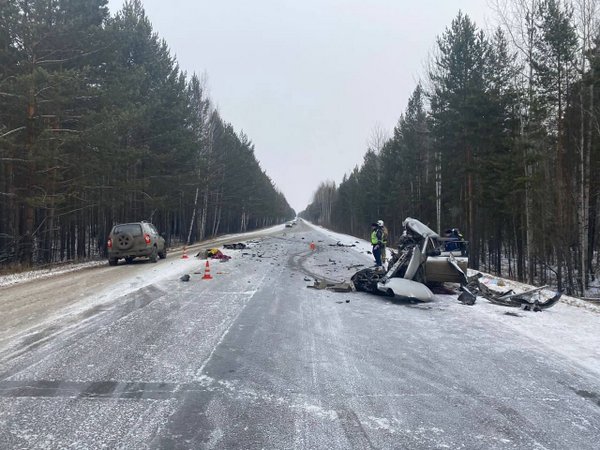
(380, 222)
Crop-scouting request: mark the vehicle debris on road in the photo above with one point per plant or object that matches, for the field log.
(238, 246)
(215, 253)
(529, 300)
(335, 287)
(339, 244)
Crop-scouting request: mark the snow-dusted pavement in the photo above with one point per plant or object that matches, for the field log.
(132, 357)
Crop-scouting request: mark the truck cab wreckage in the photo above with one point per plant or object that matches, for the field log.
(422, 262)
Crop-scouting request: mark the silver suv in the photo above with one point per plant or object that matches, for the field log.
(133, 240)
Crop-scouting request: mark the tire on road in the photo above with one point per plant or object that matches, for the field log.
(154, 255)
(163, 254)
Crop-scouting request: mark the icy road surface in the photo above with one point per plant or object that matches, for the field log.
(131, 357)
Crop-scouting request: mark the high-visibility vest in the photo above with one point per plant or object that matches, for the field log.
(375, 237)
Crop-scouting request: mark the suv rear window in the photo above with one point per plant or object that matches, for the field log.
(131, 228)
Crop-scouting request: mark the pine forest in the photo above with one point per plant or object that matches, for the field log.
(98, 125)
(501, 139)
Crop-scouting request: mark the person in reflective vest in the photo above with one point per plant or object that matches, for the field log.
(377, 242)
(383, 244)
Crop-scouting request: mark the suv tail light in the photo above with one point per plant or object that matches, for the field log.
(109, 243)
(147, 238)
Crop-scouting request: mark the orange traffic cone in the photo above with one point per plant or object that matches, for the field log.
(184, 256)
(207, 275)
(312, 246)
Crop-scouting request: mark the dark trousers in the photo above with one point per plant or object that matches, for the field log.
(377, 255)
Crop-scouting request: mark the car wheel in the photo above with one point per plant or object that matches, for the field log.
(112, 261)
(163, 254)
(129, 259)
(124, 241)
(154, 255)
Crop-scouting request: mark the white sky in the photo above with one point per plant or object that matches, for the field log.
(307, 80)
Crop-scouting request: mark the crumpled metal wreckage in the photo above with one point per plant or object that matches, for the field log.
(422, 262)
(529, 300)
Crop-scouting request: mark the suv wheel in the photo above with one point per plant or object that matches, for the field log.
(163, 254)
(112, 261)
(129, 259)
(154, 255)
(124, 241)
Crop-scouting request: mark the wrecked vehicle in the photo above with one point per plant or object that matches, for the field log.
(529, 300)
(420, 261)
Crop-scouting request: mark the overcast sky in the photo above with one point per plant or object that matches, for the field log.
(307, 80)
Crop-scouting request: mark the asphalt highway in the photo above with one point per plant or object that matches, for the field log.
(132, 357)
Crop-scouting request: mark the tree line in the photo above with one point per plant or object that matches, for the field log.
(99, 125)
(501, 139)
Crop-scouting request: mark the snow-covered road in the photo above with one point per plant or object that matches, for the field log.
(132, 357)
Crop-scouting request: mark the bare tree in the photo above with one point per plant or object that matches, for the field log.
(379, 136)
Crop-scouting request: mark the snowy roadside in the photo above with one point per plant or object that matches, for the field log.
(357, 244)
(38, 274)
(571, 328)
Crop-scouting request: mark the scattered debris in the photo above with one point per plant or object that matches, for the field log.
(355, 266)
(215, 253)
(186, 277)
(238, 246)
(531, 300)
(510, 313)
(307, 279)
(366, 280)
(467, 298)
(339, 244)
(335, 287)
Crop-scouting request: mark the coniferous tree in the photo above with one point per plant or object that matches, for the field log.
(457, 107)
(98, 125)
